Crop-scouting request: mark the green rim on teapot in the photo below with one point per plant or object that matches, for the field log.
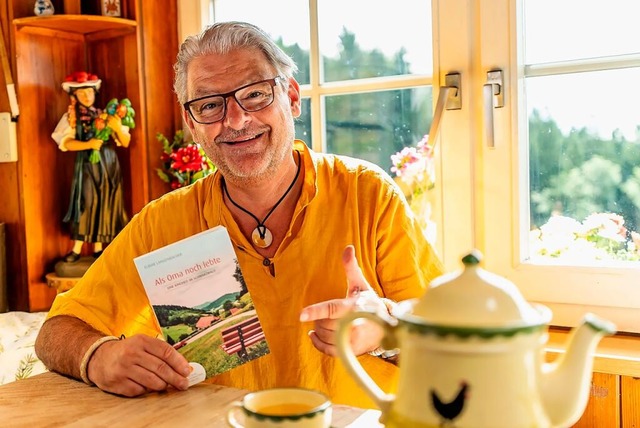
(472, 302)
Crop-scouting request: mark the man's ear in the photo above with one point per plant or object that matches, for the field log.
(294, 97)
(187, 119)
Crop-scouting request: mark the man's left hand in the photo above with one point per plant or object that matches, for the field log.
(365, 336)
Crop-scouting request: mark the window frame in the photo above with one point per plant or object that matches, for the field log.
(499, 194)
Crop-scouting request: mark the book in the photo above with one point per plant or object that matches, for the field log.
(201, 302)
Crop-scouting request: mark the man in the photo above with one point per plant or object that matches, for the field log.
(300, 221)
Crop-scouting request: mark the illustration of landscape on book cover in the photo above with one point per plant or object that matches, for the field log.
(201, 301)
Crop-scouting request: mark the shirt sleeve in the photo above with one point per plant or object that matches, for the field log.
(405, 260)
(63, 132)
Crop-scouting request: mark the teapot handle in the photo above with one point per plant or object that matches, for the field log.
(355, 369)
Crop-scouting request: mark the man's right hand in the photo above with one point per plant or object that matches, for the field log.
(137, 365)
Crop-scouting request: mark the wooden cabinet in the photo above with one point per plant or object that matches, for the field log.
(614, 401)
(133, 56)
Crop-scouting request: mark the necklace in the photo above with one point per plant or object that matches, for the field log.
(261, 235)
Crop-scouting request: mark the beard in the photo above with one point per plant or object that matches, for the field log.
(249, 164)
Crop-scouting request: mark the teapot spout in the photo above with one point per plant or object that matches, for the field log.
(566, 381)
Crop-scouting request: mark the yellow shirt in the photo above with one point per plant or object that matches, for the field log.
(343, 201)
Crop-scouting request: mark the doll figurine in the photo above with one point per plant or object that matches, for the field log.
(43, 8)
(96, 210)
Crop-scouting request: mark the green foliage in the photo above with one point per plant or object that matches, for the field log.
(25, 367)
(372, 126)
(237, 274)
(580, 173)
(173, 170)
(177, 332)
(169, 315)
(211, 306)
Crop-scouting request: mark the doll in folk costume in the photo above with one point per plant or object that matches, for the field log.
(96, 210)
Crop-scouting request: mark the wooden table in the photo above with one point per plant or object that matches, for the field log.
(51, 400)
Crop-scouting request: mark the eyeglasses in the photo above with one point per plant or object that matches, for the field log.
(251, 97)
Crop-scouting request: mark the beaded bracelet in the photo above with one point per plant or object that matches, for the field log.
(87, 356)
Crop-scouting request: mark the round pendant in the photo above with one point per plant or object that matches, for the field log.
(259, 241)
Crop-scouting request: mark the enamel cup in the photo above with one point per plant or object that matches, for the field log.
(282, 408)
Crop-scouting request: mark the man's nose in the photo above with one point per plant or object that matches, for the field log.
(236, 116)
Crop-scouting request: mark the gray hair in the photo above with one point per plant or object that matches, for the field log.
(223, 37)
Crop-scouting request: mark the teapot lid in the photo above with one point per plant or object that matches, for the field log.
(475, 297)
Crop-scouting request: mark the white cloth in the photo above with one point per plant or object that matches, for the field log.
(18, 332)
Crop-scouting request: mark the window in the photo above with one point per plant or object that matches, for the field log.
(566, 155)
(365, 78)
(566, 140)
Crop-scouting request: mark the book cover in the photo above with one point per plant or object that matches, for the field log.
(201, 301)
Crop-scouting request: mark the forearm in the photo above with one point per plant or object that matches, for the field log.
(74, 145)
(122, 138)
(63, 341)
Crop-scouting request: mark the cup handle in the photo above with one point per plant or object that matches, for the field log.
(231, 414)
(382, 399)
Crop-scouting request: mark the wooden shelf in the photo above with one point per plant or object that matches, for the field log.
(79, 24)
(85, 27)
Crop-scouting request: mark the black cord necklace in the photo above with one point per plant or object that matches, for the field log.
(261, 235)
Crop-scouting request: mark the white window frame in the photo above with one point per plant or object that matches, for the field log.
(497, 194)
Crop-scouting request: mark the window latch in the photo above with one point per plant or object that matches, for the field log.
(493, 97)
(449, 98)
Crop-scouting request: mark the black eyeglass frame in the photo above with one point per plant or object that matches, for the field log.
(273, 81)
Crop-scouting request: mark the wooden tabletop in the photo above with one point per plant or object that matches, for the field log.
(51, 400)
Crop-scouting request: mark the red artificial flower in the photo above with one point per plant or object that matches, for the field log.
(187, 159)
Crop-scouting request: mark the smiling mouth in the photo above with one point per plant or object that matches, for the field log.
(241, 140)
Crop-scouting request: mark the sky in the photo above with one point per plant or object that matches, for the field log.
(600, 101)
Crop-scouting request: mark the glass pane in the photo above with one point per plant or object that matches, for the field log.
(376, 125)
(303, 123)
(364, 38)
(286, 21)
(571, 29)
(584, 173)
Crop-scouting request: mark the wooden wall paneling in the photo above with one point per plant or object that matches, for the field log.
(9, 203)
(69, 7)
(159, 39)
(17, 297)
(6, 41)
(115, 61)
(45, 172)
(20, 9)
(603, 409)
(630, 398)
(140, 55)
(137, 179)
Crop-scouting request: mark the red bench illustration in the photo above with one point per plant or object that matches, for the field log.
(238, 338)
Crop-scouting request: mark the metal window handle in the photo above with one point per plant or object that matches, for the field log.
(450, 98)
(493, 97)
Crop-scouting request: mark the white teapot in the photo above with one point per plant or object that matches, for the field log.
(472, 355)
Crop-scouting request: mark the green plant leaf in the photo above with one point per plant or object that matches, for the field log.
(163, 175)
(198, 175)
